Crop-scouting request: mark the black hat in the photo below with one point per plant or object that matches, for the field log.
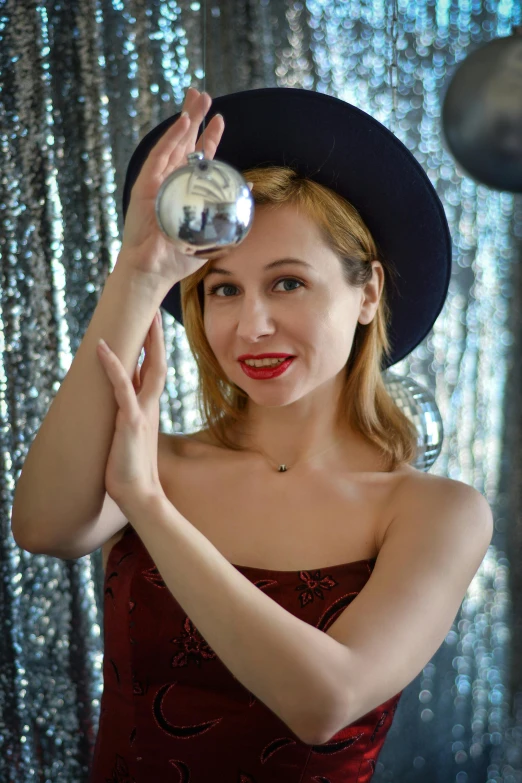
(338, 145)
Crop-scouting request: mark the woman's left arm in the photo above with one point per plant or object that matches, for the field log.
(291, 666)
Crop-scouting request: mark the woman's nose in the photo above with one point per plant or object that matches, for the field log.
(254, 318)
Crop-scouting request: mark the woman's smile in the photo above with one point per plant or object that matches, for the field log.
(267, 372)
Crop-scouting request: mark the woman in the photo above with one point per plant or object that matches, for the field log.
(286, 571)
(350, 511)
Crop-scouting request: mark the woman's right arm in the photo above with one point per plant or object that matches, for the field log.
(61, 489)
(60, 493)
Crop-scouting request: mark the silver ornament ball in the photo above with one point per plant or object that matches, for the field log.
(419, 405)
(205, 208)
(482, 114)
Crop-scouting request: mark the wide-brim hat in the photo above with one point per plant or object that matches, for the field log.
(338, 145)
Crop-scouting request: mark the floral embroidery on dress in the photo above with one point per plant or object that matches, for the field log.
(262, 584)
(161, 723)
(154, 576)
(193, 644)
(333, 610)
(336, 746)
(182, 768)
(137, 686)
(120, 772)
(182, 731)
(274, 746)
(380, 723)
(314, 585)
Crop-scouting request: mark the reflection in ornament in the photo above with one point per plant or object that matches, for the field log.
(205, 208)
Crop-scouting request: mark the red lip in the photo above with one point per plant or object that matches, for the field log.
(266, 373)
(263, 356)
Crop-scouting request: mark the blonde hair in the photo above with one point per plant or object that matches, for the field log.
(365, 404)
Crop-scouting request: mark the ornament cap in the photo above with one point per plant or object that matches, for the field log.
(193, 157)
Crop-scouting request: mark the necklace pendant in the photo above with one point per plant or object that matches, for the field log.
(282, 468)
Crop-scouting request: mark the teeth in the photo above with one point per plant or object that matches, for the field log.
(263, 362)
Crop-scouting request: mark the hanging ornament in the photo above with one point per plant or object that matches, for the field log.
(419, 405)
(482, 114)
(205, 208)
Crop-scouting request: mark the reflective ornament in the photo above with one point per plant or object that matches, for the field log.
(482, 114)
(205, 208)
(418, 404)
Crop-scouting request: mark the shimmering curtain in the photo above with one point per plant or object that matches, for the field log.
(81, 82)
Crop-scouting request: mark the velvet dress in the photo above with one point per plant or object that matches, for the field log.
(171, 711)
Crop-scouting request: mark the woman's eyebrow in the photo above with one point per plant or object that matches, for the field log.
(218, 271)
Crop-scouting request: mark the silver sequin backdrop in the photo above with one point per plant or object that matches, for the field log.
(81, 81)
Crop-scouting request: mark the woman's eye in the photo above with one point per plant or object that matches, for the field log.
(213, 291)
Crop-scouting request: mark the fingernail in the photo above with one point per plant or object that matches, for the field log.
(184, 114)
(103, 345)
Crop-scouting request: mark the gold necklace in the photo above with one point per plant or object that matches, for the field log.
(284, 468)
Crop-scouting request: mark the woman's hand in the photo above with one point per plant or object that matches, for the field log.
(131, 475)
(144, 247)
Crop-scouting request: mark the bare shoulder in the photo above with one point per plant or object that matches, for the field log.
(432, 550)
(423, 496)
(416, 483)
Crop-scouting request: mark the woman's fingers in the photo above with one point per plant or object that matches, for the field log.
(208, 143)
(140, 372)
(152, 374)
(153, 170)
(171, 149)
(172, 145)
(210, 138)
(121, 382)
(198, 112)
(191, 98)
(200, 109)
(153, 381)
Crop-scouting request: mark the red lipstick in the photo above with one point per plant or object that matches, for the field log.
(265, 373)
(263, 356)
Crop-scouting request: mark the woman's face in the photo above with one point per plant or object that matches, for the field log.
(306, 310)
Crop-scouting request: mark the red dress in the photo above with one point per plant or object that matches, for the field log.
(171, 712)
